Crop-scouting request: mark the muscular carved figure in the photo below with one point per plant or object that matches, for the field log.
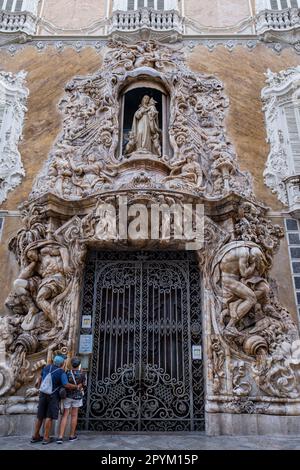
(51, 264)
(241, 275)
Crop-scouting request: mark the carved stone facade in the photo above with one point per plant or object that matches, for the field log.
(281, 99)
(13, 97)
(252, 353)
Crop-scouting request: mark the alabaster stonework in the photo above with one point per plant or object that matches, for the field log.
(252, 347)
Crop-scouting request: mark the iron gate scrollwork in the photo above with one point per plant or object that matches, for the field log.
(146, 317)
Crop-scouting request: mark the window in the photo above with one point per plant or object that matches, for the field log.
(282, 4)
(131, 5)
(291, 114)
(282, 113)
(11, 5)
(19, 5)
(293, 237)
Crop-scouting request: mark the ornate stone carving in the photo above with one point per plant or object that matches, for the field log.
(282, 89)
(87, 149)
(13, 96)
(250, 337)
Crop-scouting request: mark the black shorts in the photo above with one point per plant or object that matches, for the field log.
(48, 406)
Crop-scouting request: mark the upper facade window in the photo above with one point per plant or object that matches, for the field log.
(282, 4)
(282, 109)
(276, 4)
(131, 5)
(19, 5)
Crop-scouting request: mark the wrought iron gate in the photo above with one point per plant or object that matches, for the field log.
(146, 320)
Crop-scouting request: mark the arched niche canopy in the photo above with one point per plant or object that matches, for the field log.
(131, 97)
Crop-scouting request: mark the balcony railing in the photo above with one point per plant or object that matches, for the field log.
(24, 22)
(146, 18)
(278, 21)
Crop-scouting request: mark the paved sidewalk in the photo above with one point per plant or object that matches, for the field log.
(192, 441)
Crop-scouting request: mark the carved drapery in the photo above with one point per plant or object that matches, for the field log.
(251, 345)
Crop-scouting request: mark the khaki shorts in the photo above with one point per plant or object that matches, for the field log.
(71, 403)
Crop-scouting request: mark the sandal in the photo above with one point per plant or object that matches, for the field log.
(47, 441)
(34, 440)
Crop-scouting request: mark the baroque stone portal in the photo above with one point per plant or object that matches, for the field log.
(252, 348)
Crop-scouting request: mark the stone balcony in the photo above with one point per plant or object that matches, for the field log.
(147, 23)
(24, 22)
(281, 25)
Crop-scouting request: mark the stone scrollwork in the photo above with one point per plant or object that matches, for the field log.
(13, 97)
(86, 158)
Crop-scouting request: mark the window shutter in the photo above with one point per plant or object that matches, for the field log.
(151, 3)
(140, 3)
(294, 3)
(9, 5)
(160, 4)
(274, 5)
(293, 125)
(284, 4)
(130, 5)
(19, 5)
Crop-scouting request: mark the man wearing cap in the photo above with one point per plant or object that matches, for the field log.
(48, 407)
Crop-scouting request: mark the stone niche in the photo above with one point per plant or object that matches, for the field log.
(177, 153)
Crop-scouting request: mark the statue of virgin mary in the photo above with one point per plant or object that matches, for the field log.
(145, 133)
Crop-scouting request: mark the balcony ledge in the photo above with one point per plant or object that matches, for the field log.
(279, 25)
(24, 22)
(147, 23)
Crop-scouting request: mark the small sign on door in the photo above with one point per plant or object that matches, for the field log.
(197, 353)
(86, 322)
(86, 344)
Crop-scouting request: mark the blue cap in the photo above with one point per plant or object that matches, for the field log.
(58, 361)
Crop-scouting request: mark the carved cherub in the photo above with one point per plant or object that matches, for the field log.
(131, 145)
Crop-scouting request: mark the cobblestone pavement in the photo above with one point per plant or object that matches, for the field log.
(192, 441)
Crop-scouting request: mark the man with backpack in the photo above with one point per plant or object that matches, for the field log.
(52, 379)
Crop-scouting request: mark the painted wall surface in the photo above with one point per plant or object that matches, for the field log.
(217, 13)
(73, 14)
(242, 72)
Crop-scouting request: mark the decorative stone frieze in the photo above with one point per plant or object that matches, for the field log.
(13, 95)
(251, 343)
